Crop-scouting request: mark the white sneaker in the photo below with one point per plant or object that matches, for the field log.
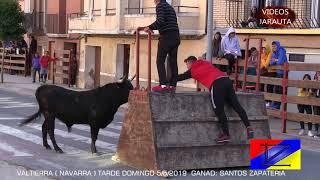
(301, 132)
(310, 133)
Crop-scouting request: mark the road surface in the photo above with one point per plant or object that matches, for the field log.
(21, 150)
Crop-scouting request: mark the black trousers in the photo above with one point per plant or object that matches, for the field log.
(168, 45)
(305, 108)
(269, 86)
(222, 92)
(231, 60)
(316, 111)
(278, 89)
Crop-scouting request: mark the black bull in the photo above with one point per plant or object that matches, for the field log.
(96, 107)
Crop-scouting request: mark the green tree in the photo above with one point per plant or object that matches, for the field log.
(11, 24)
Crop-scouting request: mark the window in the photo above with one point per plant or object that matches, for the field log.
(274, 2)
(296, 57)
(134, 7)
(315, 13)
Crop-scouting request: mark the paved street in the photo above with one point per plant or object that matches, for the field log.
(21, 147)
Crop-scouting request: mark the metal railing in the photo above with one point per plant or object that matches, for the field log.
(95, 12)
(238, 11)
(35, 21)
(152, 10)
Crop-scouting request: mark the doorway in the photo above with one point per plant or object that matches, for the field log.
(92, 66)
(123, 58)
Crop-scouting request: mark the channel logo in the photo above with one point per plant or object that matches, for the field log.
(275, 154)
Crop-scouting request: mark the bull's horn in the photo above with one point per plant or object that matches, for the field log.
(133, 77)
(121, 80)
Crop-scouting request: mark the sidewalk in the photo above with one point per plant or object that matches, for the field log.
(23, 85)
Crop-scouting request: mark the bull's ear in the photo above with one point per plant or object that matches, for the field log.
(133, 78)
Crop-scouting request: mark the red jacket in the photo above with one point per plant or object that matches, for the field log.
(204, 72)
(44, 61)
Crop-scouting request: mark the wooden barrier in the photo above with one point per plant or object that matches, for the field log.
(61, 67)
(285, 83)
(14, 63)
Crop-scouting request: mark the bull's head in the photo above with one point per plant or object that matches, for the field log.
(125, 82)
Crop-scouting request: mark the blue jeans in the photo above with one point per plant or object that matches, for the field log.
(34, 72)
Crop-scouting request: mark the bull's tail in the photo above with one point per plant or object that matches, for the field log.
(31, 118)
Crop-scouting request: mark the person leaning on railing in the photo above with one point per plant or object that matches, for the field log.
(266, 71)
(316, 109)
(278, 57)
(305, 92)
(217, 53)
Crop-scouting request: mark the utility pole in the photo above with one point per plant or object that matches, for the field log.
(209, 30)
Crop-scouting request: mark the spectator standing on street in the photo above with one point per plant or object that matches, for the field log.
(279, 57)
(35, 67)
(168, 44)
(73, 68)
(231, 48)
(44, 63)
(304, 92)
(221, 91)
(316, 109)
(33, 45)
(32, 50)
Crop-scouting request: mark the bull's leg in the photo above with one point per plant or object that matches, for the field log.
(51, 134)
(94, 137)
(44, 135)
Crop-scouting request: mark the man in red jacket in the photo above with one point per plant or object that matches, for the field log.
(44, 63)
(221, 91)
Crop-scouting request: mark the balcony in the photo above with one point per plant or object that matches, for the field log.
(34, 23)
(188, 18)
(108, 22)
(98, 23)
(39, 23)
(57, 24)
(307, 15)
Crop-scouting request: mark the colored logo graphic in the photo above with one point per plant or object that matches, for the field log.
(275, 154)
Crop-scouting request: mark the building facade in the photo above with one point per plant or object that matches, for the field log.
(107, 44)
(47, 21)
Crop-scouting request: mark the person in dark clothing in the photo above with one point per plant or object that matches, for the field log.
(252, 21)
(32, 50)
(305, 92)
(73, 68)
(168, 44)
(216, 51)
(221, 91)
(33, 45)
(316, 109)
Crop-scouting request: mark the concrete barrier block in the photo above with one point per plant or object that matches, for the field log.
(178, 131)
